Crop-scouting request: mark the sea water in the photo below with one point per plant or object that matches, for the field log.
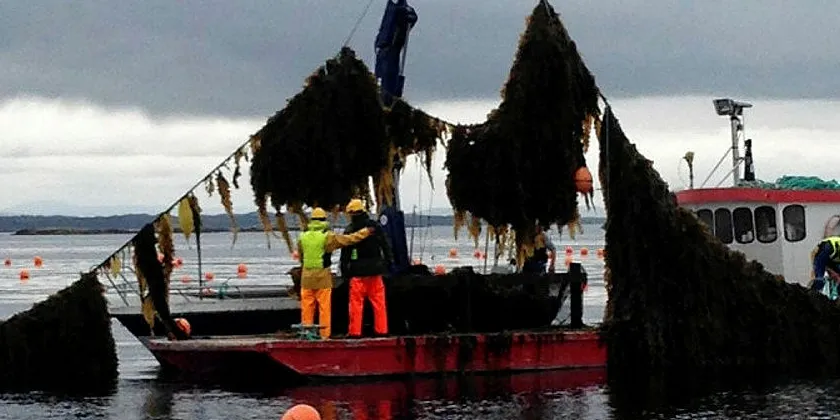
(141, 394)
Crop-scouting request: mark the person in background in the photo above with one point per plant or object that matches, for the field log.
(316, 281)
(827, 256)
(544, 253)
(365, 263)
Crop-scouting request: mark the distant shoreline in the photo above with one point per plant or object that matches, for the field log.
(132, 223)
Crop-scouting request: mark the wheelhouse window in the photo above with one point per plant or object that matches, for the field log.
(742, 220)
(765, 224)
(723, 225)
(793, 216)
(705, 216)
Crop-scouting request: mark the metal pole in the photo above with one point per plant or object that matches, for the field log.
(735, 123)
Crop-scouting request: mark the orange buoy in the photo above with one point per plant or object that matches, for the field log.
(183, 325)
(185, 279)
(38, 261)
(569, 250)
(7, 262)
(477, 254)
(295, 255)
(583, 180)
(242, 271)
(440, 270)
(24, 274)
(209, 276)
(178, 262)
(584, 252)
(301, 412)
(453, 253)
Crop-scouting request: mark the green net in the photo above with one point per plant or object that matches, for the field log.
(789, 182)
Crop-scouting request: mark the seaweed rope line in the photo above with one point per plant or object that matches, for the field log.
(169, 209)
(356, 26)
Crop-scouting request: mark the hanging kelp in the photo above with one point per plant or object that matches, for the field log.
(518, 168)
(413, 131)
(61, 344)
(152, 272)
(324, 147)
(167, 247)
(224, 194)
(680, 299)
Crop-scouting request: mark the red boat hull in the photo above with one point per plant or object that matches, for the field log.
(391, 356)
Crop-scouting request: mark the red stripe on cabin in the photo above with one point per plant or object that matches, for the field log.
(719, 195)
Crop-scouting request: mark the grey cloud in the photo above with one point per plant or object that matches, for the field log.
(245, 58)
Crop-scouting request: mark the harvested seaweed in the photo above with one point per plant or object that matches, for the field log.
(464, 301)
(152, 272)
(324, 147)
(680, 299)
(62, 344)
(499, 170)
(336, 124)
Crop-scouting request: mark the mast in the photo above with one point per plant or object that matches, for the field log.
(391, 50)
(735, 111)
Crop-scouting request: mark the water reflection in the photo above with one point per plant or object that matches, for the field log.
(509, 396)
(159, 400)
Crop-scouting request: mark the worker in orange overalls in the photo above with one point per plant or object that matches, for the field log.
(365, 263)
(316, 281)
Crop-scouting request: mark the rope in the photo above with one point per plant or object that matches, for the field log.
(169, 209)
(356, 26)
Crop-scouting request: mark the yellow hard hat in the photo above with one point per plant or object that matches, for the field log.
(355, 205)
(319, 213)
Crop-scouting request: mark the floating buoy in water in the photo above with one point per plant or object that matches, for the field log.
(295, 255)
(38, 261)
(584, 252)
(301, 412)
(24, 274)
(185, 279)
(477, 254)
(178, 262)
(440, 270)
(242, 270)
(7, 262)
(569, 250)
(453, 253)
(183, 325)
(209, 276)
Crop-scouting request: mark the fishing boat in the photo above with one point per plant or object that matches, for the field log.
(302, 356)
(549, 336)
(775, 224)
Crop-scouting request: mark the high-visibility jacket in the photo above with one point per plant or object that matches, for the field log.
(316, 241)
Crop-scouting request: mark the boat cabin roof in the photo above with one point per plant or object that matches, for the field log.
(755, 195)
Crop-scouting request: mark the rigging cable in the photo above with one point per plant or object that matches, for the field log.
(356, 26)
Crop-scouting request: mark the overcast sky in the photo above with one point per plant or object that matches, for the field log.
(122, 106)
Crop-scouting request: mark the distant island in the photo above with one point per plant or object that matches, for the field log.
(131, 223)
